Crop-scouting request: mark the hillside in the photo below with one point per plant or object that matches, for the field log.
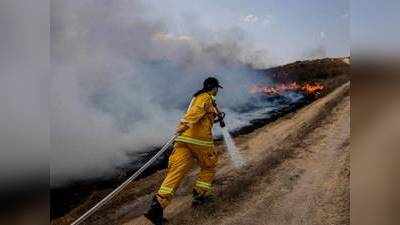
(331, 72)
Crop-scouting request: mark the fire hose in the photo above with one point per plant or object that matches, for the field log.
(123, 185)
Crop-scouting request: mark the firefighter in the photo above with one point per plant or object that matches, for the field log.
(194, 143)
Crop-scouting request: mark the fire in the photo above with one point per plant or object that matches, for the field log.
(310, 89)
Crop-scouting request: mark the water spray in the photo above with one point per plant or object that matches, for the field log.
(236, 158)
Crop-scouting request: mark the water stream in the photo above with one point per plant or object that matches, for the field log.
(234, 154)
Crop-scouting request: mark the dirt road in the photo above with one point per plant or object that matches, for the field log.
(297, 172)
(311, 186)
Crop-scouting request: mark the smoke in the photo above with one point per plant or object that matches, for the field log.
(316, 53)
(123, 75)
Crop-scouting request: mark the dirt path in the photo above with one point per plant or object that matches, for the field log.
(312, 187)
(297, 173)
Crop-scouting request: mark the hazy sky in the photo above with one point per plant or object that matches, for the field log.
(288, 29)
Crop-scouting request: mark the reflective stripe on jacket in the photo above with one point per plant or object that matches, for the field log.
(200, 119)
(194, 141)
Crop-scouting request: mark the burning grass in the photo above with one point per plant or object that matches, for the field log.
(314, 89)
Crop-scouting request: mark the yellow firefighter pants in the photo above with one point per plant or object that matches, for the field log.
(180, 162)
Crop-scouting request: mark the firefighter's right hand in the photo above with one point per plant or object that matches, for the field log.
(181, 128)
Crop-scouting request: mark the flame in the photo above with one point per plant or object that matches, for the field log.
(310, 89)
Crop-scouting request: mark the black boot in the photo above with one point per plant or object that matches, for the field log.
(199, 199)
(155, 214)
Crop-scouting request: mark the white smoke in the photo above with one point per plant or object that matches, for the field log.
(122, 78)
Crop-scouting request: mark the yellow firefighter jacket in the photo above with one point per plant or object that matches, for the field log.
(200, 119)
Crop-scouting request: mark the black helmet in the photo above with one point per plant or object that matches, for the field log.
(211, 83)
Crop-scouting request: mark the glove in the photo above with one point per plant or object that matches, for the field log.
(220, 117)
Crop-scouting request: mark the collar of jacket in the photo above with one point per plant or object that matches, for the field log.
(212, 96)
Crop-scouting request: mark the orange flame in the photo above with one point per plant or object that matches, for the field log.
(310, 89)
